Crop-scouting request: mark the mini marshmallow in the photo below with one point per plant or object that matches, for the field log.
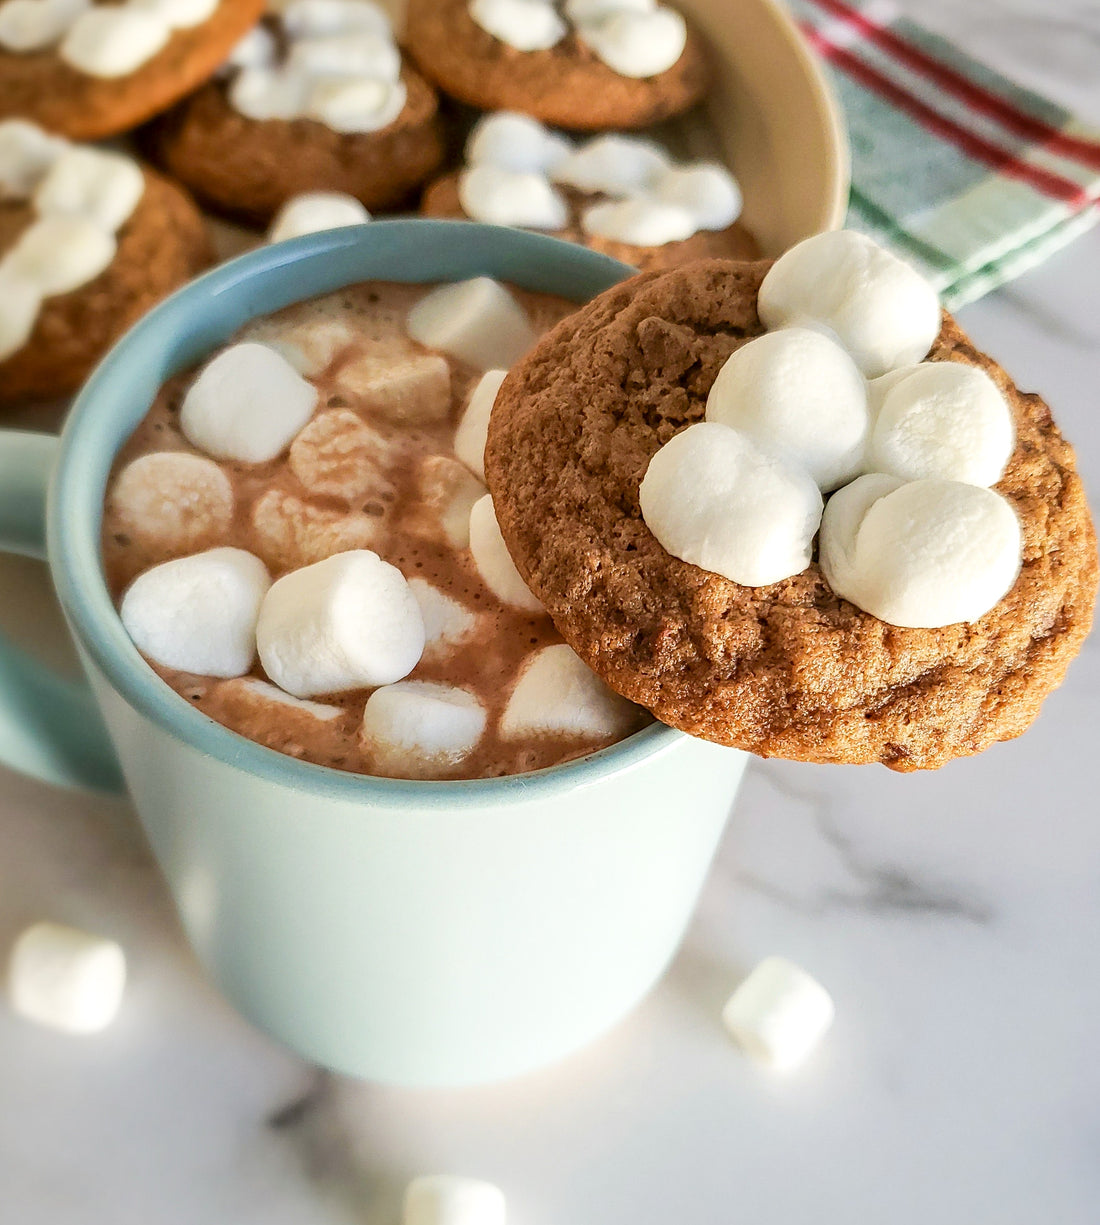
(493, 561)
(580, 11)
(527, 25)
(98, 185)
(410, 390)
(246, 404)
(309, 18)
(114, 41)
(293, 533)
(172, 502)
(65, 978)
(179, 14)
(637, 44)
(257, 49)
(348, 622)
(20, 302)
(706, 189)
(943, 420)
(270, 93)
(616, 166)
(642, 222)
(779, 1014)
(443, 1199)
(558, 694)
(478, 321)
(259, 694)
(310, 347)
(921, 554)
(881, 310)
(446, 622)
(312, 212)
(420, 729)
(473, 429)
(198, 614)
(799, 395)
(58, 254)
(356, 104)
(515, 142)
(34, 25)
(713, 498)
(338, 455)
(508, 197)
(366, 54)
(447, 492)
(26, 155)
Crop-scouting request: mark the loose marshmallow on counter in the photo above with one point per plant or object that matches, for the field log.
(881, 310)
(446, 622)
(198, 614)
(34, 25)
(920, 554)
(114, 41)
(172, 501)
(779, 1013)
(445, 1199)
(713, 498)
(350, 104)
(313, 212)
(179, 14)
(493, 561)
(60, 253)
(613, 165)
(798, 394)
(348, 622)
(527, 25)
(706, 189)
(478, 321)
(473, 429)
(310, 18)
(420, 729)
(66, 978)
(637, 44)
(642, 222)
(26, 154)
(517, 142)
(559, 694)
(96, 184)
(942, 420)
(20, 302)
(246, 404)
(509, 197)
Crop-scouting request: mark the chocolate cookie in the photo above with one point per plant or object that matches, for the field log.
(566, 85)
(735, 242)
(162, 245)
(41, 86)
(249, 168)
(788, 670)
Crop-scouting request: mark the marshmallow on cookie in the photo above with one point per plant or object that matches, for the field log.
(836, 397)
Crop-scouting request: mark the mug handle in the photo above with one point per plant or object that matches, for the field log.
(50, 727)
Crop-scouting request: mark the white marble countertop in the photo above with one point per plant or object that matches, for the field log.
(955, 917)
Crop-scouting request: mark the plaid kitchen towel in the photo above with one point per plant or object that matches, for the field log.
(967, 175)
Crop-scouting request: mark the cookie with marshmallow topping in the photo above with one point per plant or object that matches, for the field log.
(90, 70)
(944, 598)
(622, 195)
(316, 99)
(89, 241)
(586, 65)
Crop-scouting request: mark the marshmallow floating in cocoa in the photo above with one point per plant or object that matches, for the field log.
(447, 623)
(559, 694)
(473, 429)
(881, 310)
(445, 1199)
(348, 622)
(313, 212)
(173, 501)
(714, 498)
(65, 978)
(779, 1014)
(920, 554)
(478, 321)
(420, 729)
(799, 394)
(493, 561)
(247, 404)
(198, 613)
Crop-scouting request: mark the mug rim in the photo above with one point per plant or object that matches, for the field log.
(174, 330)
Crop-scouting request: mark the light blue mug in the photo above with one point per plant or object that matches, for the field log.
(435, 933)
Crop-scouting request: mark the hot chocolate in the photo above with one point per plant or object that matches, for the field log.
(327, 429)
